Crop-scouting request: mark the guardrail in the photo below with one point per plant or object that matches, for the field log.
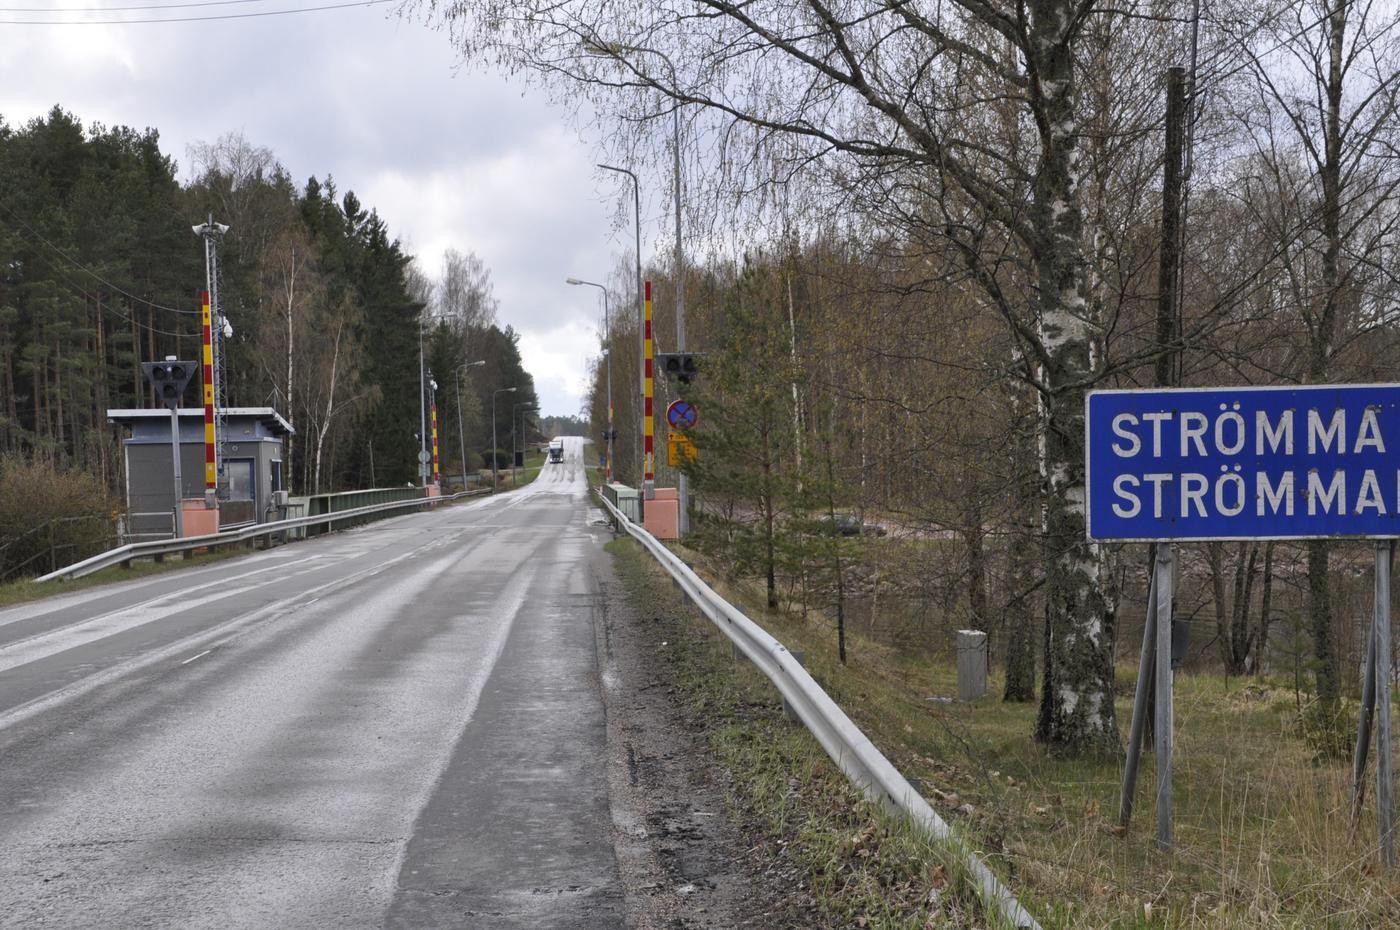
(162, 547)
(848, 747)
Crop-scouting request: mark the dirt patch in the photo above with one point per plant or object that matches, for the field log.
(686, 857)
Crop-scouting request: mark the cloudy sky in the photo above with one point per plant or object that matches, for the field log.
(450, 157)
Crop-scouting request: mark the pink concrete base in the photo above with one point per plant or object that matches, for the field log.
(199, 520)
(434, 490)
(661, 514)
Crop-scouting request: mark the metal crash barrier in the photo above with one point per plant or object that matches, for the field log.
(339, 519)
(848, 747)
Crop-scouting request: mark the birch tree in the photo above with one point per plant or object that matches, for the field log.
(909, 94)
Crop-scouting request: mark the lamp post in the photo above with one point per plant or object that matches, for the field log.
(641, 337)
(494, 450)
(515, 437)
(607, 348)
(617, 50)
(461, 436)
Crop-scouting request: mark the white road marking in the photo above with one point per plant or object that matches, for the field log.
(200, 656)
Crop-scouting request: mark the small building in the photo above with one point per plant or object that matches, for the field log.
(253, 443)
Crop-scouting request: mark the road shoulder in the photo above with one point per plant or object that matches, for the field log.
(685, 859)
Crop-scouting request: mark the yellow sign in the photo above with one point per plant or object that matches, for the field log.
(679, 447)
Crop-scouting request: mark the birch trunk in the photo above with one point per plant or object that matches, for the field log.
(1077, 713)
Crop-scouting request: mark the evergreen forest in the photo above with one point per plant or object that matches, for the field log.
(100, 271)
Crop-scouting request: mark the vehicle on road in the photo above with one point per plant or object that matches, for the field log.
(556, 450)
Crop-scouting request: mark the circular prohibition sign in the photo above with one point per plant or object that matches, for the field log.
(681, 414)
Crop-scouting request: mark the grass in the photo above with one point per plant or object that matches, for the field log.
(534, 462)
(861, 867)
(1262, 828)
(27, 589)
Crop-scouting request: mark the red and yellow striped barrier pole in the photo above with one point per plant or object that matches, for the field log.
(648, 426)
(435, 445)
(211, 474)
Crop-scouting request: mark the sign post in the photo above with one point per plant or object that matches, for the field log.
(1254, 463)
(1381, 671)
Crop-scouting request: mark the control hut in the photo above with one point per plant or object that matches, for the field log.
(253, 444)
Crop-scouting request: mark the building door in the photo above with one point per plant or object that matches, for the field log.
(242, 493)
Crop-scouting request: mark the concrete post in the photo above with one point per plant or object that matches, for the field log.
(972, 664)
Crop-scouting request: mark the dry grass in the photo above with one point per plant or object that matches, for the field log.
(857, 866)
(1263, 837)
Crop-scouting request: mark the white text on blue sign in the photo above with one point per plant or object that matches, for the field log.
(1243, 463)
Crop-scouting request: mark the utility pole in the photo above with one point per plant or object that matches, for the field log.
(618, 50)
(607, 350)
(641, 346)
(1168, 368)
(494, 450)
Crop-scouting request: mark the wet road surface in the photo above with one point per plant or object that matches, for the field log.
(399, 725)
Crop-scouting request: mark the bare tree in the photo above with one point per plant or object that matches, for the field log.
(1325, 132)
(290, 286)
(908, 93)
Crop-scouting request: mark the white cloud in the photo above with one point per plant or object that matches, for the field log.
(448, 158)
(558, 360)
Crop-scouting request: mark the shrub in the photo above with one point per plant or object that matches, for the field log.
(50, 517)
(1329, 731)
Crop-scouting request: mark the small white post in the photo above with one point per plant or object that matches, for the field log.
(972, 664)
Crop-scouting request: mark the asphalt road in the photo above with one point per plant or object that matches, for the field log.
(396, 726)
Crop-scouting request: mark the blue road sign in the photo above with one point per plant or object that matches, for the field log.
(1243, 463)
(682, 414)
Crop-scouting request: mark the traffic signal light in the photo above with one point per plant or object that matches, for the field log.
(680, 366)
(170, 378)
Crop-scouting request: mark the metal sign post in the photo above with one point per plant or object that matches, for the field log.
(1253, 463)
(1385, 778)
(1146, 663)
(169, 378)
(1162, 721)
(1375, 704)
(179, 479)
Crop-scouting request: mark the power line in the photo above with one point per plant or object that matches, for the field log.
(123, 9)
(85, 269)
(63, 280)
(186, 19)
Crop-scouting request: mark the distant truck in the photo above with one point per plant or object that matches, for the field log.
(556, 451)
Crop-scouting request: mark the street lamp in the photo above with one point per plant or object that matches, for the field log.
(618, 50)
(641, 336)
(494, 450)
(461, 436)
(607, 343)
(515, 431)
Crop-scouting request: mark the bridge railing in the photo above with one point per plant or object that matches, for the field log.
(843, 741)
(334, 520)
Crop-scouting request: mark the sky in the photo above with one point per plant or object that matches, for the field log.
(449, 156)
